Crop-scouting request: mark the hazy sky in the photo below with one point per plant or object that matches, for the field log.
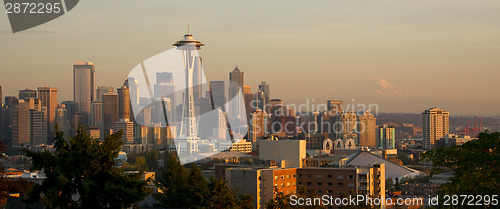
(446, 49)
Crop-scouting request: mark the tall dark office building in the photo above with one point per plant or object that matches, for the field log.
(123, 103)
(1, 96)
(71, 108)
(109, 110)
(84, 87)
(11, 101)
(334, 105)
(218, 93)
(27, 93)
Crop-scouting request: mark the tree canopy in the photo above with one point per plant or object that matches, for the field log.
(476, 165)
(82, 173)
(187, 188)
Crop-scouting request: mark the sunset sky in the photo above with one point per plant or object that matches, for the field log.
(442, 53)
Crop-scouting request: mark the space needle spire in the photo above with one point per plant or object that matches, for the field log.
(189, 47)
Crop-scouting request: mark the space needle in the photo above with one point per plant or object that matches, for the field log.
(188, 139)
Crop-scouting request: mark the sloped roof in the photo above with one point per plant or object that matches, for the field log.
(393, 170)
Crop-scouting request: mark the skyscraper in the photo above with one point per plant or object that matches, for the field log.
(99, 91)
(61, 119)
(127, 128)
(27, 93)
(366, 130)
(266, 93)
(217, 91)
(237, 76)
(334, 106)
(258, 128)
(1, 96)
(83, 86)
(71, 108)
(96, 114)
(386, 137)
(109, 110)
(21, 122)
(165, 88)
(123, 103)
(11, 101)
(48, 98)
(436, 125)
(38, 126)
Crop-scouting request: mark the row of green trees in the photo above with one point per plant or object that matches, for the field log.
(180, 188)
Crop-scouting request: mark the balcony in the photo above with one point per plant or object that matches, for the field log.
(363, 180)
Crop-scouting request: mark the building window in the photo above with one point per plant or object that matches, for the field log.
(300, 175)
(330, 184)
(329, 192)
(288, 176)
(340, 177)
(319, 176)
(282, 177)
(320, 191)
(351, 177)
(282, 185)
(308, 175)
(309, 183)
(300, 182)
(319, 183)
(293, 175)
(350, 185)
(329, 176)
(288, 184)
(275, 177)
(340, 184)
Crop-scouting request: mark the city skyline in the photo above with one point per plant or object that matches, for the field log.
(415, 48)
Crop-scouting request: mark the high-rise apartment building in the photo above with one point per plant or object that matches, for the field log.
(343, 126)
(258, 128)
(436, 125)
(84, 87)
(386, 137)
(366, 130)
(127, 128)
(48, 98)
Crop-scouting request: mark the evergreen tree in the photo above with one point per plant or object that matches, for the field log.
(476, 165)
(197, 185)
(220, 195)
(83, 173)
(172, 182)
